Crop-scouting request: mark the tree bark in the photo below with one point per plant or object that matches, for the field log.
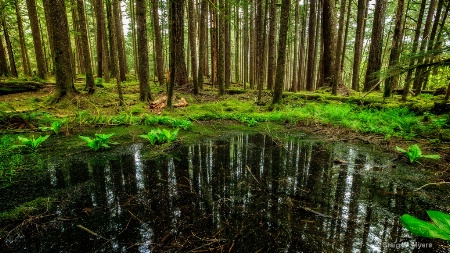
(376, 46)
(40, 58)
(397, 38)
(359, 43)
(282, 38)
(85, 46)
(112, 41)
(413, 50)
(62, 48)
(310, 74)
(202, 45)
(221, 48)
(3, 62)
(158, 43)
(272, 44)
(339, 44)
(329, 42)
(12, 62)
(119, 38)
(193, 43)
(143, 65)
(23, 48)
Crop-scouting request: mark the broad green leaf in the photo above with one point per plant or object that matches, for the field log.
(86, 139)
(400, 149)
(25, 141)
(422, 228)
(414, 152)
(432, 156)
(442, 220)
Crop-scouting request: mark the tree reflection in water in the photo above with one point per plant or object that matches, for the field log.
(243, 193)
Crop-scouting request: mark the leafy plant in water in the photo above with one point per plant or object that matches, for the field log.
(158, 136)
(414, 153)
(31, 143)
(100, 141)
(440, 228)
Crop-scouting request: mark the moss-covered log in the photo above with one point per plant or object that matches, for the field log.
(11, 87)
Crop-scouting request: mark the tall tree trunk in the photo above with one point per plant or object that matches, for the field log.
(158, 43)
(118, 58)
(221, 49)
(329, 42)
(119, 38)
(62, 48)
(178, 74)
(79, 50)
(245, 45)
(85, 46)
(282, 38)
(310, 74)
(413, 50)
(344, 49)
(133, 14)
(376, 46)
(397, 38)
(34, 23)
(23, 47)
(260, 40)
(237, 31)
(143, 65)
(214, 45)
(12, 62)
(272, 44)
(112, 40)
(423, 45)
(359, 43)
(99, 44)
(339, 45)
(3, 62)
(202, 45)
(227, 24)
(193, 43)
(295, 62)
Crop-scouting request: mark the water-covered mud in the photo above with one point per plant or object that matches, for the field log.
(243, 193)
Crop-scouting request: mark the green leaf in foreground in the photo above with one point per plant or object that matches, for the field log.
(422, 228)
(442, 220)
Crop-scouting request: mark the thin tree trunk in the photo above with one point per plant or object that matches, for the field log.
(120, 40)
(295, 62)
(34, 23)
(221, 49)
(310, 74)
(260, 40)
(396, 48)
(118, 48)
(202, 45)
(112, 40)
(143, 65)
(158, 43)
(245, 46)
(85, 46)
(23, 48)
(359, 43)
(3, 62)
(12, 62)
(282, 38)
(413, 50)
(339, 47)
(133, 11)
(376, 46)
(272, 44)
(193, 43)
(227, 47)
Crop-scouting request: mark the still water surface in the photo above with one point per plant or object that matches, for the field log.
(242, 193)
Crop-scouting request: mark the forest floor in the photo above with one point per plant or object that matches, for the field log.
(357, 118)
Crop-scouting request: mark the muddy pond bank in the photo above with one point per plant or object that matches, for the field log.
(240, 193)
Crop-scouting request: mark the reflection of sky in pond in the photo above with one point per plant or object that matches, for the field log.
(243, 193)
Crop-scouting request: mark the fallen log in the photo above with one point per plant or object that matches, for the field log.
(11, 87)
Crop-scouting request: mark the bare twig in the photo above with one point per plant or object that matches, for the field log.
(425, 185)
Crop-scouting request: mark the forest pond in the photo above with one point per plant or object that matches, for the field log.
(239, 193)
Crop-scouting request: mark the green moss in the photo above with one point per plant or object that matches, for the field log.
(27, 209)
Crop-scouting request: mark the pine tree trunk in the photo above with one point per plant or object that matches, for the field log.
(245, 46)
(259, 29)
(202, 45)
(376, 46)
(99, 44)
(85, 46)
(237, 31)
(396, 48)
(193, 43)
(221, 49)
(40, 58)
(227, 41)
(272, 45)
(310, 73)
(282, 38)
(143, 65)
(3, 62)
(339, 46)
(295, 61)
(112, 41)
(23, 48)
(133, 14)
(329, 42)
(423, 45)
(413, 50)
(158, 43)
(62, 48)
(117, 13)
(12, 62)
(359, 43)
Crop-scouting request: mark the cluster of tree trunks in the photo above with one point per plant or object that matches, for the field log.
(278, 45)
